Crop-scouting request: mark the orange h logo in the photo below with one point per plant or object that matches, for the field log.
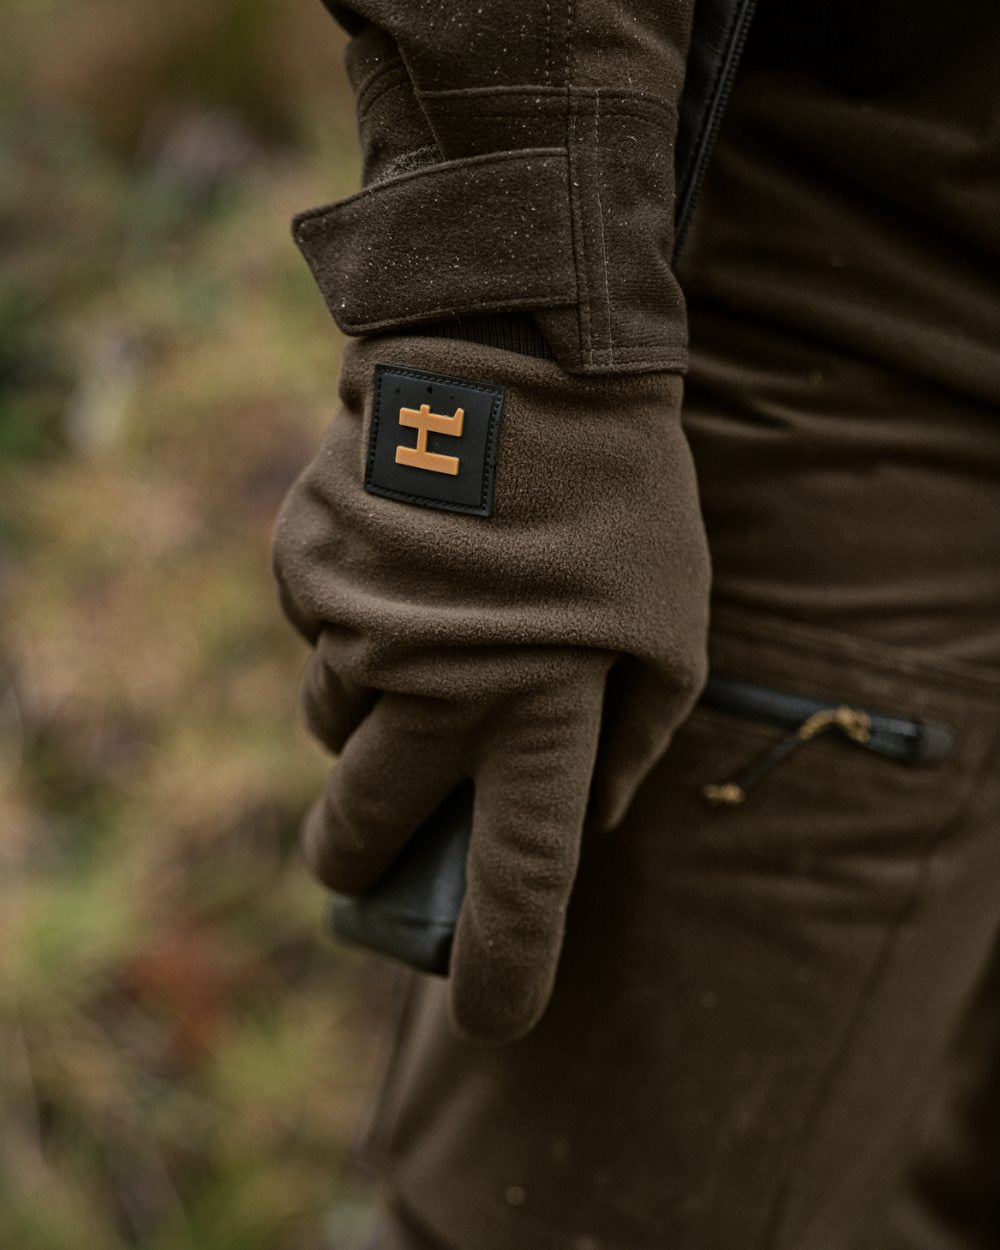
(426, 422)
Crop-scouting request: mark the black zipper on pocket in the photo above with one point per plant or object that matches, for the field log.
(898, 738)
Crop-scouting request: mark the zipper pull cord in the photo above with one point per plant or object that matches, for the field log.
(851, 722)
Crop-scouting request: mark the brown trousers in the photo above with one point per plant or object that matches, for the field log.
(757, 1006)
(775, 1025)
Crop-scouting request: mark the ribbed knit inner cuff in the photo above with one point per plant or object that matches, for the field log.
(513, 332)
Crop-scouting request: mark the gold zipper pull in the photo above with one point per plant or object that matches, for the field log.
(850, 721)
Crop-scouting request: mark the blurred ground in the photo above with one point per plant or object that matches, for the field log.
(184, 1058)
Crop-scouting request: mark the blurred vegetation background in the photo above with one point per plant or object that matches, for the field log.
(185, 1059)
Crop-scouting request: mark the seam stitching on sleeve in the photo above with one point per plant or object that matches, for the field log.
(538, 299)
(580, 261)
(548, 41)
(366, 106)
(576, 220)
(600, 220)
(395, 66)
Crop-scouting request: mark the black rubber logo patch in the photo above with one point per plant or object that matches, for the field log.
(433, 439)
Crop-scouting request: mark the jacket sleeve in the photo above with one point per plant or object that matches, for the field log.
(518, 160)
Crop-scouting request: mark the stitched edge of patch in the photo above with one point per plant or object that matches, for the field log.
(485, 505)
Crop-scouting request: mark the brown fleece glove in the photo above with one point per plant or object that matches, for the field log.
(545, 640)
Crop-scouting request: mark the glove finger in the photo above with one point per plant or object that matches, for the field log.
(396, 767)
(641, 716)
(531, 795)
(333, 706)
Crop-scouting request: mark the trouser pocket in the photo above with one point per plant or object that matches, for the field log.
(753, 995)
(806, 719)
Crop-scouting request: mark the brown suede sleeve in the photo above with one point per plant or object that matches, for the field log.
(518, 157)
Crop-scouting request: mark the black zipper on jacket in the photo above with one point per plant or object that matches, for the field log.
(735, 42)
(896, 737)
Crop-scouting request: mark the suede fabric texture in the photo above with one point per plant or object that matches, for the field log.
(518, 156)
(547, 651)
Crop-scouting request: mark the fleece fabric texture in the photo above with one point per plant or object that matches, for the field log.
(517, 649)
(518, 158)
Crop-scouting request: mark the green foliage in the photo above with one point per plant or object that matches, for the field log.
(184, 1055)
